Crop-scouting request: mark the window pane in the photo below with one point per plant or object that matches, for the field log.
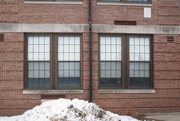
(47, 48)
(139, 1)
(139, 75)
(66, 48)
(30, 48)
(139, 49)
(77, 40)
(69, 74)
(111, 74)
(71, 40)
(110, 48)
(38, 48)
(47, 40)
(66, 40)
(103, 41)
(60, 48)
(41, 48)
(30, 40)
(140, 82)
(41, 40)
(113, 48)
(113, 41)
(103, 48)
(38, 74)
(38, 82)
(111, 82)
(77, 48)
(69, 48)
(111, 0)
(36, 40)
(138, 69)
(103, 56)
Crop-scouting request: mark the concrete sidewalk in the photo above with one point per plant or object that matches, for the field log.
(175, 116)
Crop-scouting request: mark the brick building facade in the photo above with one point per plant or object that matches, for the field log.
(152, 89)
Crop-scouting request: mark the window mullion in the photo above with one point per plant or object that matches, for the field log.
(125, 61)
(53, 61)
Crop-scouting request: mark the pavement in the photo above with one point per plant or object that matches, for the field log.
(174, 116)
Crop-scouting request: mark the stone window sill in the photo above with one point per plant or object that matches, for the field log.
(59, 2)
(126, 91)
(124, 4)
(52, 91)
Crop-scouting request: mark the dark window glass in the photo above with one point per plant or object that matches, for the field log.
(110, 56)
(38, 62)
(139, 65)
(139, 1)
(111, 0)
(111, 74)
(69, 61)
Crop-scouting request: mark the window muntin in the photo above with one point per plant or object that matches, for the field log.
(110, 57)
(69, 61)
(38, 62)
(139, 62)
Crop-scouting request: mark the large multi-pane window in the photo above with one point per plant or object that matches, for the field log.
(125, 61)
(53, 61)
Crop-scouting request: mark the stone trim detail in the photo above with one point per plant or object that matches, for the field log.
(59, 2)
(52, 91)
(123, 4)
(80, 28)
(126, 91)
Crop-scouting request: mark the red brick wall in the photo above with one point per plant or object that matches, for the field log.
(166, 79)
(166, 56)
(166, 70)
(164, 12)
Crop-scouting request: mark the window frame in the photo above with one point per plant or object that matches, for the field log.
(150, 61)
(125, 60)
(56, 61)
(53, 60)
(99, 60)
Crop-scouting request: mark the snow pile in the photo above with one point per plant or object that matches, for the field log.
(68, 110)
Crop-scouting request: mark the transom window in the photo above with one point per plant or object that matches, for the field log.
(53, 63)
(125, 61)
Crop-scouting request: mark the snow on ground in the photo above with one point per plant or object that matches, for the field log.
(67, 110)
